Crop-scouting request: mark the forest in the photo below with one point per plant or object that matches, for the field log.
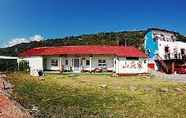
(129, 38)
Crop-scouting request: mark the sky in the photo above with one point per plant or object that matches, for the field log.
(25, 20)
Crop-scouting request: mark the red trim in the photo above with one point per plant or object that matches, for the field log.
(151, 65)
(84, 50)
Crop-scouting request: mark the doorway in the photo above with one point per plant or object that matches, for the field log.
(76, 65)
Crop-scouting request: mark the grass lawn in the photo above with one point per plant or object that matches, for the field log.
(100, 95)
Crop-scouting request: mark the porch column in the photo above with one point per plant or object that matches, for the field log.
(18, 61)
(90, 68)
(173, 66)
(60, 64)
(117, 65)
(114, 64)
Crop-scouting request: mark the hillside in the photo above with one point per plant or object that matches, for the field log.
(133, 38)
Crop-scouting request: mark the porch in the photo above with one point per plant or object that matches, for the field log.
(77, 64)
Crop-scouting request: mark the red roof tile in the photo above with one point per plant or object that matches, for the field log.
(84, 50)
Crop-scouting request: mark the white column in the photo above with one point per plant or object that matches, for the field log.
(18, 61)
(42, 66)
(114, 69)
(60, 64)
(117, 65)
(90, 68)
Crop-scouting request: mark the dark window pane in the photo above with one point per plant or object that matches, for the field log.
(54, 62)
(87, 62)
(66, 62)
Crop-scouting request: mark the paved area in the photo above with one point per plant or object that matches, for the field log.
(177, 77)
(172, 77)
(9, 108)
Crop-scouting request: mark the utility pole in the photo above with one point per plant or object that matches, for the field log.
(125, 42)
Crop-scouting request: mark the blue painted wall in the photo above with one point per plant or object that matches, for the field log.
(151, 45)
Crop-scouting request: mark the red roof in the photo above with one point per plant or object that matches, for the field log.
(84, 50)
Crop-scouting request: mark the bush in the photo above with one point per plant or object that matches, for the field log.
(23, 66)
(8, 64)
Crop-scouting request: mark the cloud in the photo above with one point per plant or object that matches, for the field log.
(36, 38)
(16, 41)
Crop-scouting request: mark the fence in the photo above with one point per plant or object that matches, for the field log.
(8, 65)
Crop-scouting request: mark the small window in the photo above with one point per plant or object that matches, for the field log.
(102, 63)
(54, 62)
(182, 51)
(166, 49)
(87, 62)
(132, 58)
(66, 62)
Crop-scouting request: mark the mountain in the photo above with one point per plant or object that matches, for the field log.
(131, 38)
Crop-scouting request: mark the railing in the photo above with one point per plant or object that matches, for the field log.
(178, 56)
(163, 64)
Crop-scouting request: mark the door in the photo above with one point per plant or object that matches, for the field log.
(76, 65)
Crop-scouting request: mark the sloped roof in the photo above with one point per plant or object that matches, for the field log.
(84, 50)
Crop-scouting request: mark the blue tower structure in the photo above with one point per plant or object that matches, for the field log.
(150, 45)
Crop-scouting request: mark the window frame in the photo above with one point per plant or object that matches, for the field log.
(102, 63)
(54, 62)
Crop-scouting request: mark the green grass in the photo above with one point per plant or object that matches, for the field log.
(84, 95)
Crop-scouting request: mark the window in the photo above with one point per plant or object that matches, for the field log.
(54, 62)
(132, 58)
(182, 51)
(102, 63)
(66, 62)
(166, 49)
(87, 62)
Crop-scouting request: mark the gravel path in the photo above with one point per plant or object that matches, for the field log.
(172, 77)
(9, 108)
(177, 77)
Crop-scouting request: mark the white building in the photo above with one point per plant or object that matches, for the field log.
(116, 59)
(163, 45)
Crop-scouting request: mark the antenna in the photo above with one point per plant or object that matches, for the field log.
(125, 42)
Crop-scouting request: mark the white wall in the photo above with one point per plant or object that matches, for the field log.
(35, 64)
(168, 42)
(170, 37)
(122, 66)
(172, 45)
(125, 66)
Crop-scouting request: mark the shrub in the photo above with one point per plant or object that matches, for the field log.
(23, 66)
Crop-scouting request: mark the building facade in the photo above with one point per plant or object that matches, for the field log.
(162, 45)
(116, 59)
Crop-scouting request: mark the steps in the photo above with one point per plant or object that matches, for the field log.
(163, 64)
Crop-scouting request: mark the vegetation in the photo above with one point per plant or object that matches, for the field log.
(100, 95)
(132, 38)
(23, 66)
(8, 65)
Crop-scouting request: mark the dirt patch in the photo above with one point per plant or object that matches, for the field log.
(9, 108)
